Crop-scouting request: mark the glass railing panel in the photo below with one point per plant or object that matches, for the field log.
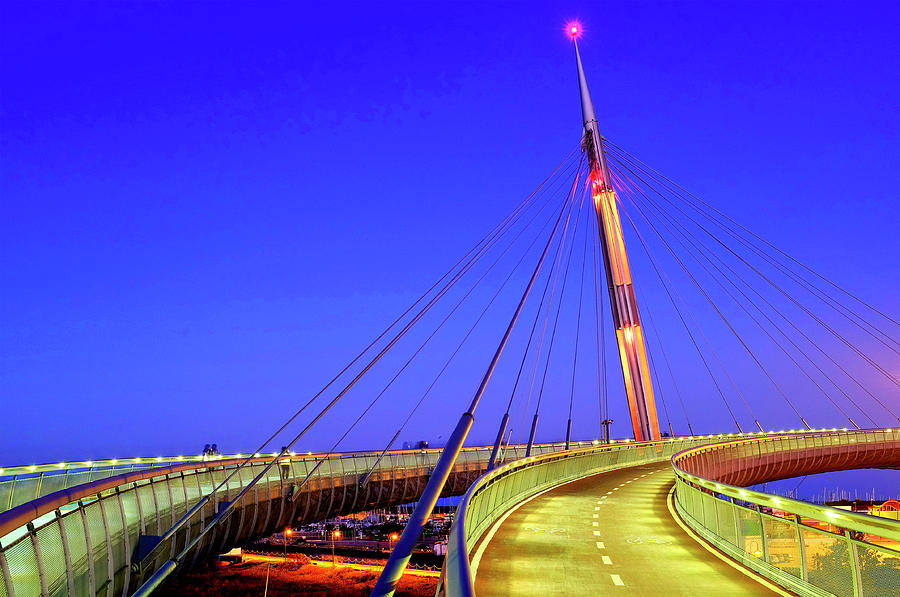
(725, 521)
(750, 537)
(783, 545)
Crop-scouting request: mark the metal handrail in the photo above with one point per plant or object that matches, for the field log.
(457, 579)
(22, 484)
(106, 515)
(516, 481)
(872, 525)
(721, 512)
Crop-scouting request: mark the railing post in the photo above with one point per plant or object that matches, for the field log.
(126, 543)
(7, 577)
(762, 534)
(12, 490)
(854, 564)
(140, 507)
(67, 556)
(159, 527)
(90, 548)
(40, 483)
(39, 558)
(737, 526)
(110, 564)
(803, 572)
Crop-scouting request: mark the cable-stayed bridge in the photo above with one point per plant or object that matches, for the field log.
(775, 344)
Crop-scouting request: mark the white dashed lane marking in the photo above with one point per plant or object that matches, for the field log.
(606, 560)
(595, 524)
(617, 580)
(595, 516)
(601, 544)
(597, 534)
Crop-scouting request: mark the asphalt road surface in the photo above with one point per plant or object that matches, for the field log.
(608, 534)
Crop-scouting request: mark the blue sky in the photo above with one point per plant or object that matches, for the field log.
(209, 208)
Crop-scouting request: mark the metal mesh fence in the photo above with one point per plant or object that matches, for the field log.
(53, 559)
(6, 489)
(148, 507)
(53, 483)
(23, 569)
(879, 571)
(96, 533)
(118, 550)
(782, 545)
(25, 490)
(827, 562)
(822, 561)
(78, 555)
(3, 570)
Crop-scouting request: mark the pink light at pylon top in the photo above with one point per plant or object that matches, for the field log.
(573, 29)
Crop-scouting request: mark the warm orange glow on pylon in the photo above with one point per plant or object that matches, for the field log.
(605, 204)
(573, 29)
(632, 351)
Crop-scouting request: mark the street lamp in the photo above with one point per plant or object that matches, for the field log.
(391, 538)
(606, 423)
(335, 534)
(286, 533)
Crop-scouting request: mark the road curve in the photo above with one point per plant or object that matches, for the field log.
(607, 534)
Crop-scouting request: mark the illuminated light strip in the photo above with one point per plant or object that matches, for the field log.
(644, 367)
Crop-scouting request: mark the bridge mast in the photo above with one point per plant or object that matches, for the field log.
(629, 335)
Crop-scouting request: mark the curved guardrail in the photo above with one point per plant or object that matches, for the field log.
(807, 548)
(74, 528)
(21, 484)
(497, 491)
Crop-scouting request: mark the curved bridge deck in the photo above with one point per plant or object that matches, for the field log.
(609, 532)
